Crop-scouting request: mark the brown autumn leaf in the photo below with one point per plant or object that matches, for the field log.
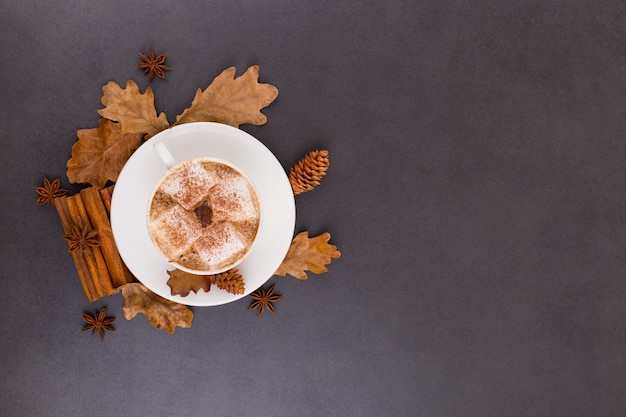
(100, 153)
(161, 313)
(182, 283)
(308, 254)
(132, 109)
(232, 101)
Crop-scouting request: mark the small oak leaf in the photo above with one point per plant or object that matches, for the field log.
(232, 101)
(182, 283)
(161, 313)
(308, 254)
(100, 154)
(132, 109)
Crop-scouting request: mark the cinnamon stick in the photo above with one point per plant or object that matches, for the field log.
(97, 212)
(90, 262)
(84, 275)
(103, 277)
(107, 194)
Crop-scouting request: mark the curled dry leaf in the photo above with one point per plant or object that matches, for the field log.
(132, 109)
(161, 313)
(232, 101)
(308, 254)
(182, 283)
(100, 154)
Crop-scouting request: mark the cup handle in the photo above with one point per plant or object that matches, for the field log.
(164, 154)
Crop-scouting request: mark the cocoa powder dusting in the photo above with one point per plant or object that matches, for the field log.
(203, 213)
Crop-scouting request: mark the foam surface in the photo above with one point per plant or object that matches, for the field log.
(204, 215)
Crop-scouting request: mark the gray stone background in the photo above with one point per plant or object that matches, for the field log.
(476, 192)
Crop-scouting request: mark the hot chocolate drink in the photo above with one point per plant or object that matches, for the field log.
(204, 216)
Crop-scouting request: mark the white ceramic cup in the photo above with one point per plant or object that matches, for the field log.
(235, 238)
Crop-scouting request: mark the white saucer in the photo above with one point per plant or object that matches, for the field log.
(143, 171)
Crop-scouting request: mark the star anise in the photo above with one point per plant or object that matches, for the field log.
(153, 65)
(81, 238)
(49, 191)
(99, 322)
(263, 299)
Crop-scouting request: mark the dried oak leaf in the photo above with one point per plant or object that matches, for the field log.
(232, 101)
(161, 313)
(132, 109)
(308, 254)
(100, 154)
(182, 283)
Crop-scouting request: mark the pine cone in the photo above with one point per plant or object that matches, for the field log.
(307, 173)
(230, 281)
